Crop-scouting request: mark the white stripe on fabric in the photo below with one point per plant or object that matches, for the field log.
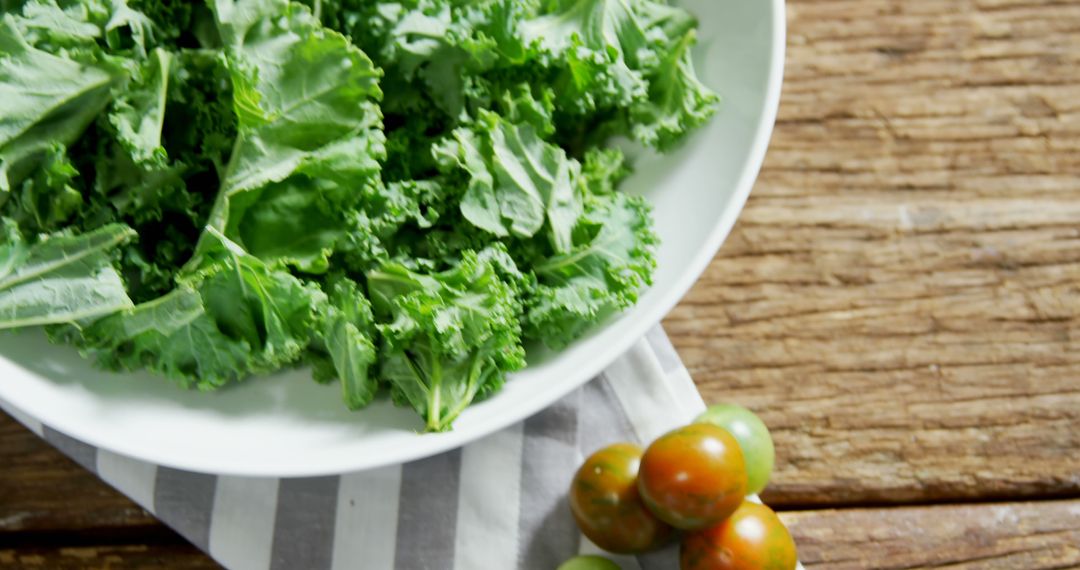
(21, 417)
(663, 349)
(686, 392)
(490, 495)
(365, 532)
(131, 477)
(645, 393)
(677, 376)
(242, 522)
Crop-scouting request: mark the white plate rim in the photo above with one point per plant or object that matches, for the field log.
(432, 444)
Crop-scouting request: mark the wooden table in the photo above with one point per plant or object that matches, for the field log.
(900, 302)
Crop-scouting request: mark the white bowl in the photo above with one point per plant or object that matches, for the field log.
(287, 425)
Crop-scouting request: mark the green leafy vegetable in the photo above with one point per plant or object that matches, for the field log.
(307, 130)
(348, 352)
(59, 280)
(677, 102)
(449, 337)
(235, 317)
(612, 261)
(173, 336)
(47, 100)
(603, 47)
(519, 182)
(402, 195)
(139, 114)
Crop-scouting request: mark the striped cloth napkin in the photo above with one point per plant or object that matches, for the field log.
(498, 503)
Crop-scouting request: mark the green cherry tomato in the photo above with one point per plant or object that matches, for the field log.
(693, 477)
(589, 562)
(753, 538)
(605, 502)
(753, 438)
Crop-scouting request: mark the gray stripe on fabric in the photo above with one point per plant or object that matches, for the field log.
(184, 501)
(664, 559)
(82, 453)
(21, 417)
(427, 512)
(601, 421)
(663, 349)
(548, 533)
(304, 523)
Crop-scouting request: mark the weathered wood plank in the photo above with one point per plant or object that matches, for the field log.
(901, 297)
(1032, 536)
(900, 300)
(41, 489)
(53, 513)
(124, 557)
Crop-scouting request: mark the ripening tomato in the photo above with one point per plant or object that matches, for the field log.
(605, 502)
(753, 538)
(753, 437)
(693, 477)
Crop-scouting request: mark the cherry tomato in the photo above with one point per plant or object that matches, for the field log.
(753, 437)
(753, 538)
(693, 477)
(588, 562)
(605, 502)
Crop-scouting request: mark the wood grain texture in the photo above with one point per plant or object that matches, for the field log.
(1031, 536)
(55, 515)
(41, 489)
(124, 557)
(900, 299)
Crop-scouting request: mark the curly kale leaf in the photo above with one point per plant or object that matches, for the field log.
(234, 318)
(346, 350)
(48, 99)
(60, 279)
(612, 261)
(624, 66)
(447, 338)
(518, 183)
(677, 103)
(309, 133)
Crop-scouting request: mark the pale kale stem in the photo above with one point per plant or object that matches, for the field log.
(434, 416)
(473, 387)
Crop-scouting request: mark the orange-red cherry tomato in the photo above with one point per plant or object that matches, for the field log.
(693, 477)
(605, 502)
(752, 538)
